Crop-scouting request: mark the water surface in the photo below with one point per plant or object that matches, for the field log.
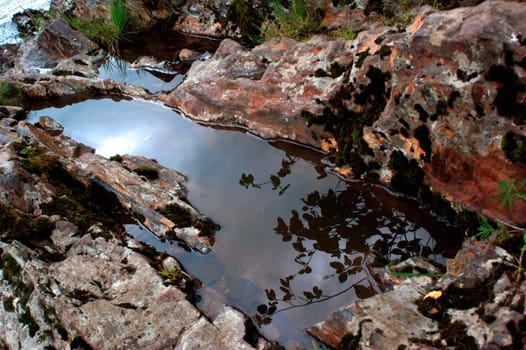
(8, 31)
(294, 237)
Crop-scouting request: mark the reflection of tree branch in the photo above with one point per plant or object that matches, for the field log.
(247, 180)
(311, 301)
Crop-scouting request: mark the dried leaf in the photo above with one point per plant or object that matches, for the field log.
(435, 294)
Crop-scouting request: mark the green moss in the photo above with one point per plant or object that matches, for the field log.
(117, 158)
(178, 215)
(514, 147)
(171, 274)
(313, 118)
(11, 270)
(8, 304)
(10, 94)
(246, 19)
(27, 319)
(82, 205)
(148, 172)
(346, 33)
(23, 228)
(183, 218)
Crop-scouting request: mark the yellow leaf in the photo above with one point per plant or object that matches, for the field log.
(433, 294)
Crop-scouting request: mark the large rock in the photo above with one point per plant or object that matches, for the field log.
(105, 296)
(458, 82)
(56, 43)
(266, 89)
(444, 99)
(474, 304)
(23, 170)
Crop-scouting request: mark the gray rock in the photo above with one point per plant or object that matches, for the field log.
(51, 126)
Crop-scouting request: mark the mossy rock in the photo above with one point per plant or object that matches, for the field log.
(514, 147)
(148, 172)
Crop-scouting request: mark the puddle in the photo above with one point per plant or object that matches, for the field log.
(294, 238)
(119, 70)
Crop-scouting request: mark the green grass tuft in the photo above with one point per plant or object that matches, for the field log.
(299, 21)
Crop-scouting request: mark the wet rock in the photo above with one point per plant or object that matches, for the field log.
(265, 89)
(152, 64)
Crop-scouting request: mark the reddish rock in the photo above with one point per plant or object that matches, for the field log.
(444, 93)
(450, 73)
(265, 89)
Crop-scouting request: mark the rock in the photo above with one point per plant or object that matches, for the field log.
(159, 200)
(265, 89)
(97, 295)
(51, 126)
(188, 55)
(30, 21)
(445, 95)
(144, 15)
(57, 42)
(474, 264)
(8, 54)
(14, 112)
(64, 235)
(472, 304)
(152, 64)
(197, 18)
(448, 109)
(386, 321)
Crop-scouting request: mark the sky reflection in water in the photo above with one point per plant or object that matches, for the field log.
(294, 239)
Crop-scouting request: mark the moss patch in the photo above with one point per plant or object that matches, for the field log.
(10, 94)
(514, 146)
(246, 19)
(23, 228)
(183, 218)
(148, 172)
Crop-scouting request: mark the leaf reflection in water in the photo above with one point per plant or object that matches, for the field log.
(248, 180)
(346, 229)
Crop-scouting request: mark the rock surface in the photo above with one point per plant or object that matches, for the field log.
(97, 296)
(420, 313)
(70, 276)
(265, 89)
(446, 94)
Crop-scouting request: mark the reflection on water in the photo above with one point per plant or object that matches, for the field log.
(119, 70)
(294, 240)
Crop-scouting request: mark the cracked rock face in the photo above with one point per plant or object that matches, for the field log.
(110, 297)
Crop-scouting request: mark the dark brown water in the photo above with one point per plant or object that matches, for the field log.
(294, 237)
